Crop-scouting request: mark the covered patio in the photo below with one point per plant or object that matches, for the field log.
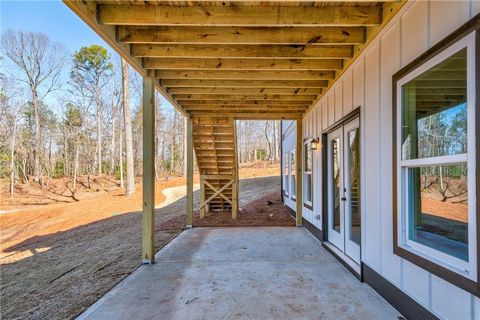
(242, 273)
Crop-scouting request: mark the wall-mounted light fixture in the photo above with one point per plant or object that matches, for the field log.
(315, 144)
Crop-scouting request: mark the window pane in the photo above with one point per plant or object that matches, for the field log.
(434, 110)
(308, 186)
(336, 183)
(438, 208)
(354, 180)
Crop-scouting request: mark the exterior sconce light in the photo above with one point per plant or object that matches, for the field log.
(315, 144)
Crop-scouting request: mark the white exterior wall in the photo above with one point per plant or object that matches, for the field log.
(367, 84)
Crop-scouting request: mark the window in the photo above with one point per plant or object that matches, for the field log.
(286, 176)
(293, 171)
(308, 168)
(435, 196)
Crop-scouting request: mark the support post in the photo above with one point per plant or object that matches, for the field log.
(234, 199)
(189, 171)
(148, 226)
(202, 197)
(298, 174)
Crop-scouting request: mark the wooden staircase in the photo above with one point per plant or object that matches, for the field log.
(214, 142)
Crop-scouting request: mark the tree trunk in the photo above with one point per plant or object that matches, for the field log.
(112, 147)
(75, 166)
(172, 153)
(36, 148)
(268, 140)
(128, 130)
(12, 156)
(99, 132)
(120, 156)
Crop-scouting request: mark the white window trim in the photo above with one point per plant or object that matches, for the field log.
(466, 269)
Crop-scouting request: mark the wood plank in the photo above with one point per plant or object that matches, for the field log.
(241, 35)
(241, 51)
(185, 103)
(245, 108)
(233, 91)
(245, 74)
(189, 164)
(244, 97)
(148, 225)
(202, 199)
(269, 64)
(239, 15)
(252, 116)
(179, 83)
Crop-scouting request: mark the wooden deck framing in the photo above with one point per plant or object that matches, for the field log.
(218, 61)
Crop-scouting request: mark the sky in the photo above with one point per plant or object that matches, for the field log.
(54, 19)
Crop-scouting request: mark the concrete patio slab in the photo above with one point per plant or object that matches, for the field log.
(242, 273)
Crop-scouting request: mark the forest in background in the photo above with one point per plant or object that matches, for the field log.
(71, 114)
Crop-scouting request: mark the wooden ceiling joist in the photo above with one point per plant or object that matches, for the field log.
(242, 51)
(245, 97)
(246, 59)
(235, 91)
(242, 64)
(171, 83)
(242, 35)
(244, 102)
(159, 15)
(245, 75)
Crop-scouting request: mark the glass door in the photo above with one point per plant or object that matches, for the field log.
(344, 189)
(352, 189)
(336, 215)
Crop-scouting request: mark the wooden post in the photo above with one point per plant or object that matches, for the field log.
(189, 171)
(148, 227)
(202, 197)
(234, 199)
(298, 174)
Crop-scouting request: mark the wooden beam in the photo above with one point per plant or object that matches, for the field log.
(189, 164)
(245, 91)
(178, 83)
(148, 227)
(241, 51)
(241, 35)
(265, 97)
(251, 116)
(245, 75)
(247, 110)
(299, 172)
(238, 15)
(202, 199)
(244, 102)
(270, 64)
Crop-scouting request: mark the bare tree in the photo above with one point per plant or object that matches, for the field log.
(128, 130)
(40, 62)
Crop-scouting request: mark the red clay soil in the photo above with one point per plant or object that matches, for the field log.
(257, 213)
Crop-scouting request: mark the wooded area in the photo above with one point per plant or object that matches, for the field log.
(79, 114)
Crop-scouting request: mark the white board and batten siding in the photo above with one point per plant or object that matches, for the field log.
(367, 84)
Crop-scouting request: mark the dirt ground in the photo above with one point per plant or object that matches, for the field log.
(57, 259)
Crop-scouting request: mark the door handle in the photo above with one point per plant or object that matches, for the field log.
(344, 199)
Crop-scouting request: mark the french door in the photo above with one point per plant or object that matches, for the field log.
(343, 174)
